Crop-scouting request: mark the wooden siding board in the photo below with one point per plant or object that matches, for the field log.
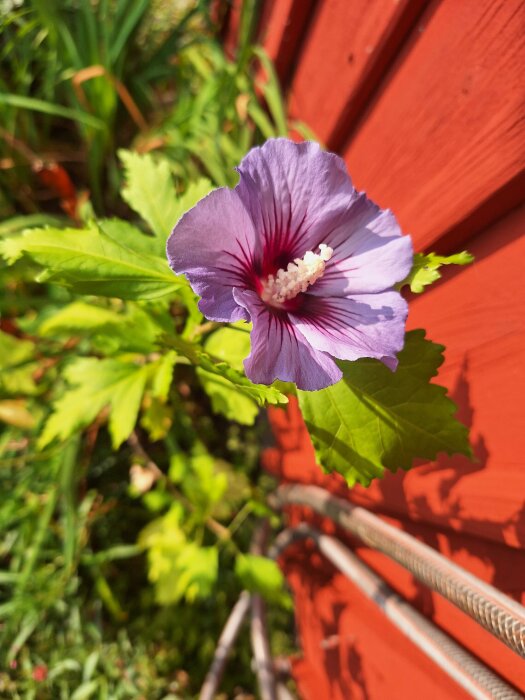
(478, 313)
(445, 131)
(283, 25)
(340, 627)
(232, 27)
(472, 512)
(437, 136)
(343, 58)
(498, 564)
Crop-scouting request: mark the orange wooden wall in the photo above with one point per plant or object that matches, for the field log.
(426, 103)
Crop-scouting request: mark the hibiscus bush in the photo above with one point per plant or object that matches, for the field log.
(124, 537)
(141, 340)
(252, 315)
(327, 326)
(123, 462)
(177, 364)
(331, 323)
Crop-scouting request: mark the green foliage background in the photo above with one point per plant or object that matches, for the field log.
(113, 587)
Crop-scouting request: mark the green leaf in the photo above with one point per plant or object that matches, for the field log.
(14, 351)
(19, 223)
(177, 567)
(86, 690)
(204, 484)
(156, 419)
(82, 318)
(196, 571)
(36, 105)
(259, 575)
(109, 331)
(230, 343)
(90, 262)
(178, 467)
(425, 269)
(272, 92)
(16, 367)
(149, 191)
(90, 665)
(261, 394)
(119, 551)
(233, 345)
(227, 400)
(19, 381)
(162, 376)
(133, 238)
(375, 419)
(96, 384)
(126, 396)
(190, 300)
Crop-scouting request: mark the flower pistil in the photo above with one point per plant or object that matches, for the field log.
(300, 274)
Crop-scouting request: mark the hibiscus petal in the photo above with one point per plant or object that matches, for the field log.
(214, 244)
(295, 193)
(370, 254)
(279, 351)
(364, 325)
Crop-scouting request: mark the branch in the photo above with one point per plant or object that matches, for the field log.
(261, 650)
(259, 633)
(226, 641)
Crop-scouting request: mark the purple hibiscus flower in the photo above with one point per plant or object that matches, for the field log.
(310, 261)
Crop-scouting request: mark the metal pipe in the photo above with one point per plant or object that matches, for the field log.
(475, 678)
(500, 615)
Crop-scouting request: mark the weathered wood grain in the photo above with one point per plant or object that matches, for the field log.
(343, 58)
(282, 27)
(445, 134)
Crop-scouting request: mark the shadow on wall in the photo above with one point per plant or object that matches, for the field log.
(332, 665)
(498, 559)
(427, 500)
(451, 470)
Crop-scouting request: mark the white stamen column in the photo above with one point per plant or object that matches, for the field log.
(298, 276)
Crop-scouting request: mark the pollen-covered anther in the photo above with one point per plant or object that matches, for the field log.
(298, 276)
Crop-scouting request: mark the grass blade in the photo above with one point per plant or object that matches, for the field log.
(36, 105)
